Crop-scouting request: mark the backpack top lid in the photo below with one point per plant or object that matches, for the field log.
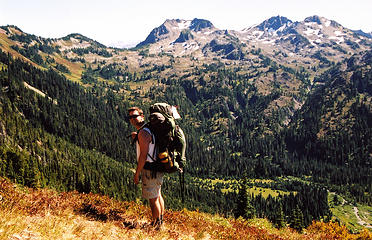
(156, 118)
(163, 108)
(161, 121)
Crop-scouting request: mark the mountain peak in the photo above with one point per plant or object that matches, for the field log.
(11, 28)
(199, 24)
(176, 27)
(314, 18)
(179, 24)
(78, 36)
(155, 35)
(274, 23)
(321, 20)
(81, 38)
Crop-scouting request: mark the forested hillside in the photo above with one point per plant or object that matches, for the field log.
(332, 134)
(57, 141)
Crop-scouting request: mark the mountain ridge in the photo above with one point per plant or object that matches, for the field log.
(314, 18)
(283, 40)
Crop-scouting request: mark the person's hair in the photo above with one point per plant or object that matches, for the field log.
(135, 109)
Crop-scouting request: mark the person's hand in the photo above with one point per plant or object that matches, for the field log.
(136, 178)
(134, 135)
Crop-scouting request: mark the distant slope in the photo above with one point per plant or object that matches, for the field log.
(334, 125)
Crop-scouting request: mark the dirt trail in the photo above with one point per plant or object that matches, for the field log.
(360, 221)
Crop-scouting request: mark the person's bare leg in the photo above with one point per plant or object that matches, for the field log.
(155, 208)
(162, 207)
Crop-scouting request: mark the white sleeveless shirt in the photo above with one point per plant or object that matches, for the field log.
(151, 153)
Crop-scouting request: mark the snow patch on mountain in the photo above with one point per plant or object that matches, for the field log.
(184, 25)
(338, 39)
(257, 34)
(310, 24)
(281, 29)
(272, 42)
(311, 31)
(189, 47)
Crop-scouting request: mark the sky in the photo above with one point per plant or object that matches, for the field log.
(129, 22)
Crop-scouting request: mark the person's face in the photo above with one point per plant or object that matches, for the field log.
(135, 118)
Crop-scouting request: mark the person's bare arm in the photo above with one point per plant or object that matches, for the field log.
(144, 139)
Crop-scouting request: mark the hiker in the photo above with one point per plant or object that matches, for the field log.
(151, 180)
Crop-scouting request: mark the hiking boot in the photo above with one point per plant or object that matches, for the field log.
(157, 224)
(130, 225)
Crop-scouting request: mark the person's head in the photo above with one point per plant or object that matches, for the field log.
(136, 116)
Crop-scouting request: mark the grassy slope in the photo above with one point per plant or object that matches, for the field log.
(344, 212)
(45, 214)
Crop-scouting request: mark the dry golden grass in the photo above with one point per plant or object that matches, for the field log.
(76, 68)
(45, 214)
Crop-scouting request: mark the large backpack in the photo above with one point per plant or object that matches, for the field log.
(169, 139)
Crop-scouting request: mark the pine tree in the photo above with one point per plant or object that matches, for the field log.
(279, 220)
(297, 219)
(244, 207)
(250, 211)
(335, 200)
(241, 200)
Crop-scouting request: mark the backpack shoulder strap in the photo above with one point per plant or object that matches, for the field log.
(147, 129)
(144, 127)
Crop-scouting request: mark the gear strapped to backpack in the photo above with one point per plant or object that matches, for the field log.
(169, 139)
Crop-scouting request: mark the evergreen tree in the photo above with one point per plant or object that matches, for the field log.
(297, 219)
(335, 200)
(244, 206)
(279, 220)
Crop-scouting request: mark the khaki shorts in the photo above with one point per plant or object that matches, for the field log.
(151, 183)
